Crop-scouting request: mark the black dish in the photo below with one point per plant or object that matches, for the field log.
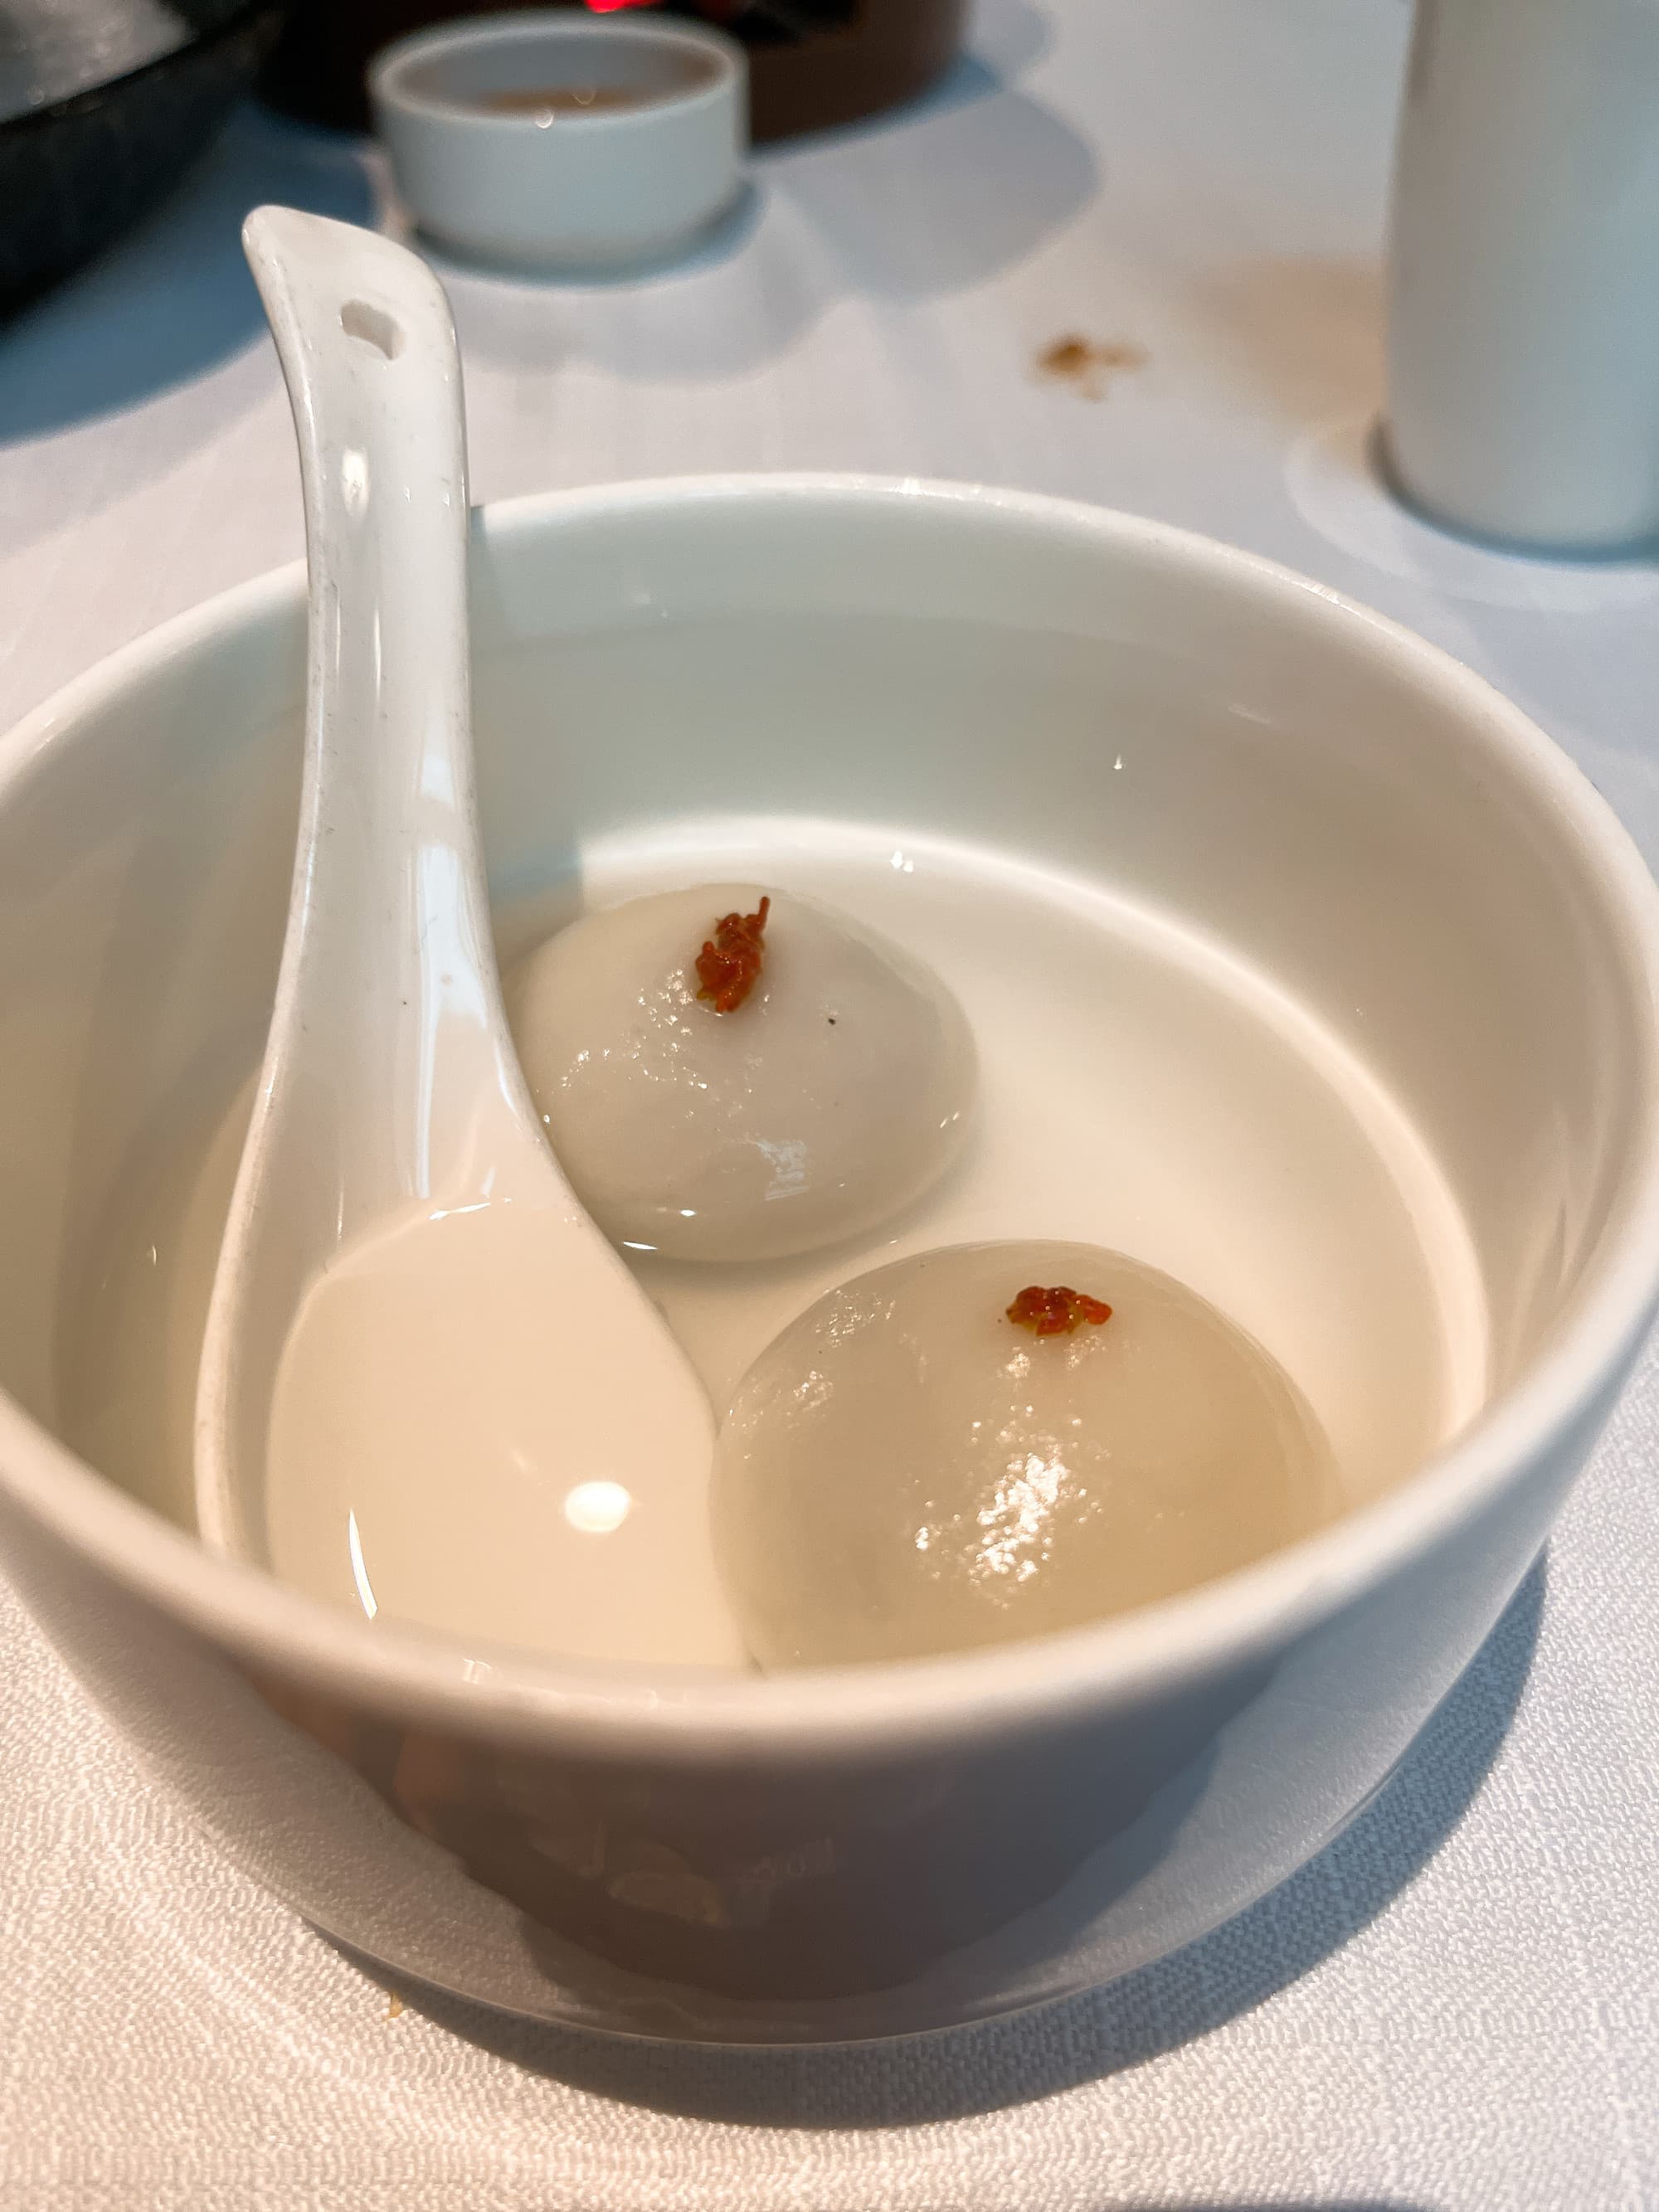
(77, 168)
(811, 62)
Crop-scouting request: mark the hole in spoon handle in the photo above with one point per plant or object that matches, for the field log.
(371, 326)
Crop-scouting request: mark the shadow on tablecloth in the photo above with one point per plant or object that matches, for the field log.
(921, 203)
(173, 298)
(1055, 2047)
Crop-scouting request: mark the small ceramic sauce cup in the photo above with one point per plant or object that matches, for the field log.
(559, 142)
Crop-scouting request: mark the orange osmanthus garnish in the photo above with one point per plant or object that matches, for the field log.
(1056, 1312)
(730, 963)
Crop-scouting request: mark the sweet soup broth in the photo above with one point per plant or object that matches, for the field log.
(1141, 1089)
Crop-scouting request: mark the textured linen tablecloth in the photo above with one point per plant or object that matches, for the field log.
(1455, 2006)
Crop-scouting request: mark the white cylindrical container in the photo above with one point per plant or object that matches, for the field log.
(1523, 325)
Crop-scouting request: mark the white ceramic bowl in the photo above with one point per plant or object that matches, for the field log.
(1354, 816)
(609, 188)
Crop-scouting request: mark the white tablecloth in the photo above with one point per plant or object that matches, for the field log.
(1455, 2007)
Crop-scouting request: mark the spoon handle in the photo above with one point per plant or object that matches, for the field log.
(389, 885)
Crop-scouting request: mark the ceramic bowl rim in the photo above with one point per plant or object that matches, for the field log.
(893, 1710)
(389, 71)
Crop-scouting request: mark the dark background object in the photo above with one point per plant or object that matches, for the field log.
(812, 62)
(102, 106)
